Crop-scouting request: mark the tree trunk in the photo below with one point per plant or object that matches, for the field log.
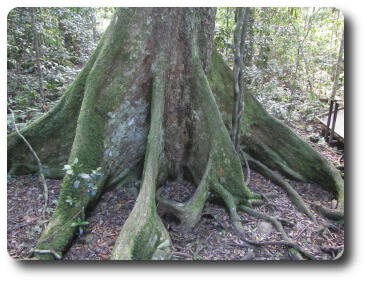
(338, 68)
(92, 17)
(239, 36)
(155, 101)
(36, 43)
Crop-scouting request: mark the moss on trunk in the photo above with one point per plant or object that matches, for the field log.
(270, 141)
(143, 235)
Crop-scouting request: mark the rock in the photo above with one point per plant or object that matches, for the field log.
(264, 227)
(89, 239)
(249, 256)
(334, 203)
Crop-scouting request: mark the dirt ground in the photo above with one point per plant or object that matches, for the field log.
(212, 239)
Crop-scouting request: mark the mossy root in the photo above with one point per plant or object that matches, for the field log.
(143, 236)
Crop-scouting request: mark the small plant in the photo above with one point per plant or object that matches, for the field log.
(70, 200)
(69, 169)
(80, 224)
(88, 180)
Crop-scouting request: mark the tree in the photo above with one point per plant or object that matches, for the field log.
(37, 50)
(154, 102)
(337, 68)
(93, 24)
(239, 87)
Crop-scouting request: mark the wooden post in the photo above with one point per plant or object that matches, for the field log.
(334, 121)
(329, 118)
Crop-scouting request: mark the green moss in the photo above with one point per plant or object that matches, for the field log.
(225, 158)
(146, 241)
(269, 140)
(143, 230)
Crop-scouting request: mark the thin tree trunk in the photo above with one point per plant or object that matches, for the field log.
(94, 24)
(307, 26)
(338, 68)
(38, 55)
(239, 36)
(250, 46)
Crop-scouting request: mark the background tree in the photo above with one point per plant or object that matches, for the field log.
(65, 40)
(302, 41)
(338, 67)
(239, 86)
(36, 41)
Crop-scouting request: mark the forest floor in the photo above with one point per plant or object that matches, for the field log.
(213, 237)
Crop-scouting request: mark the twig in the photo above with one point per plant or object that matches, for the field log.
(45, 188)
(300, 233)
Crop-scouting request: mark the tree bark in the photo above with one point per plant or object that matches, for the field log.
(36, 43)
(92, 16)
(239, 86)
(338, 68)
(155, 101)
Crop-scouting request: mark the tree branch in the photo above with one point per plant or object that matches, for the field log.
(45, 188)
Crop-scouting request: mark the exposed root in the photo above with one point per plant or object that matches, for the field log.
(340, 254)
(47, 252)
(335, 252)
(332, 214)
(231, 205)
(229, 200)
(58, 234)
(143, 235)
(295, 250)
(276, 178)
(248, 171)
(189, 212)
(255, 202)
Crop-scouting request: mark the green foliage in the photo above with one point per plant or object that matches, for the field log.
(68, 36)
(291, 57)
(224, 26)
